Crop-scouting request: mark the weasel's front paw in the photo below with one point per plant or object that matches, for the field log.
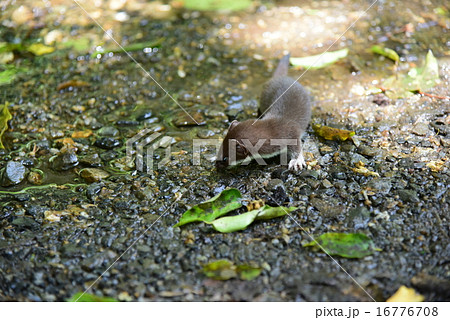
(297, 164)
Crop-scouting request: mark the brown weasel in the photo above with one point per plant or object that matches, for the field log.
(286, 109)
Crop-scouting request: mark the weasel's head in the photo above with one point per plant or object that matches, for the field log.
(232, 150)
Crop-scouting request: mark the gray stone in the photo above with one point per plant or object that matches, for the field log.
(408, 195)
(380, 185)
(25, 222)
(108, 131)
(356, 157)
(65, 161)
(421, 129)
(359, 217)
(368, 151)
(14, 173)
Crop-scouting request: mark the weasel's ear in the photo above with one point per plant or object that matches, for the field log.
(240, 148)
(233, 124)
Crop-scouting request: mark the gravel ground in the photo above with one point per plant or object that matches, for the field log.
(74, 207)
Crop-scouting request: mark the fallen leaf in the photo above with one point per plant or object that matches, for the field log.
(87, 297)
(72, 210)
(405, 294)
(72, 83)
(329, 133)
(228, 200)
(220, 270)
(388, 53)
(320, 60)
(225, 270)
(248, 272)
(235, 223)
(360, 168)
(39, 49)
(417, 79)
(79, 44)
(66, 142)
(8, 75)
(217, 5)
(82, 134)
(10, 47)
(55, 215)
(5, 116)
(242, 221)
(347, 245)
(435, 166)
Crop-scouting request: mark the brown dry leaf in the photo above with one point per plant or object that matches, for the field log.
(67, 144)
(360, 168)
(405, 294)
(72, 83)
(72, 210)
(54, 215)
(330, 133)
(82, 134)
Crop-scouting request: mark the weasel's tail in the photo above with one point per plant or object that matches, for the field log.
(283, 66)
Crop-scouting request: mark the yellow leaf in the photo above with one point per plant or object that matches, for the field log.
(360, 168)
(82, 134)
(330, 133)
(5, 116)
(39, 49)
(435, 166)
(405, 294)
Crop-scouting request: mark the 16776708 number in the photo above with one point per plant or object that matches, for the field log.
(407, 311)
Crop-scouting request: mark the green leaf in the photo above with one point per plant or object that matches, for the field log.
(131, 47)
(217, 5)
(87, 297)
(235, 223)
(388, 53)
(417, 79)
(9, 47)
(242, 221)
(220, 270)
(320, 60)
(5, 116)
(347, 245)
(79, 44)
(248, 272)
(268, 212)
(225, 270)
(37, 49)
(228, 200)
(7, 76)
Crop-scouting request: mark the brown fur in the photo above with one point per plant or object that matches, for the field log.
(286, 110)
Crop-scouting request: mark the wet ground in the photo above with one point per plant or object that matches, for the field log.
(72, 203)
